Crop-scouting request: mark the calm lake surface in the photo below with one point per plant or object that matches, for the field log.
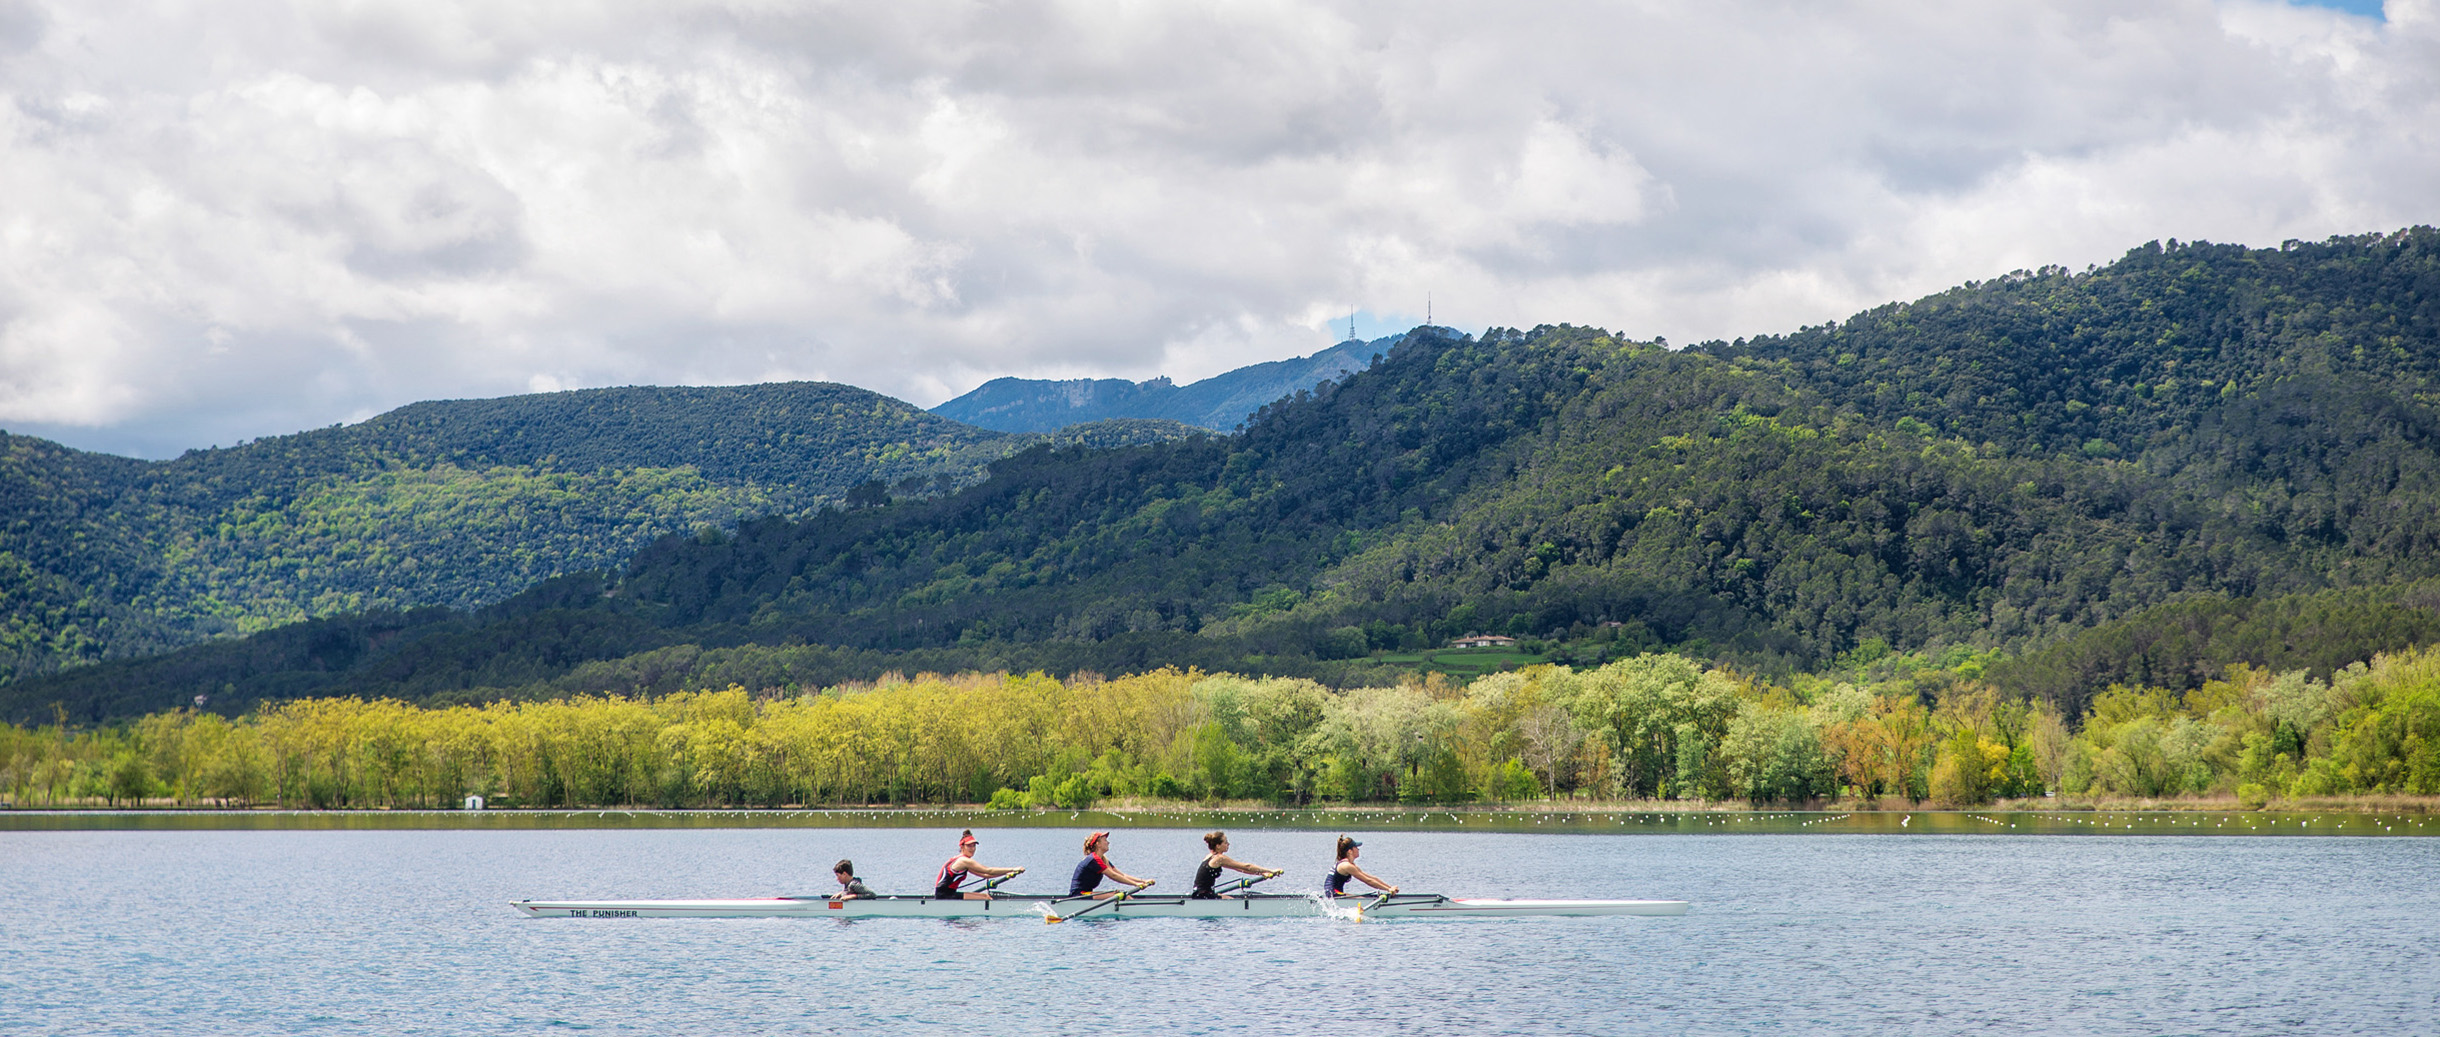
(408, 931)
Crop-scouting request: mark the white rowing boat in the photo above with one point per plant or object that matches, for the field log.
(1250, 905)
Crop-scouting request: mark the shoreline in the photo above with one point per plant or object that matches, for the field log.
(2187, 819)
(2367, 804)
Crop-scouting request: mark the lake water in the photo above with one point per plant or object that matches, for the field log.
(408, 931)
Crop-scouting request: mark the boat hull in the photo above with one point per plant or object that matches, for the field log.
(1417, 906)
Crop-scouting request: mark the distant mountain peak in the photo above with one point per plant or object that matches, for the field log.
(1220, 402)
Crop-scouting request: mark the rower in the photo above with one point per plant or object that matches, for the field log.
(1336, 882)
(850, 887)
(1090, 870)
(1209, 871)
(962, 867)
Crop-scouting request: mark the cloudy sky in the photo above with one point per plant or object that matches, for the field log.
(244, 218)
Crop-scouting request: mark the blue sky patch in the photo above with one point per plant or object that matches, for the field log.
(2367, 8)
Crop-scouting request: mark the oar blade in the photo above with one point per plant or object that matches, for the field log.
(1097, 905)
(1376, 903)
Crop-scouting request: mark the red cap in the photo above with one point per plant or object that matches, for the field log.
(1091, 839)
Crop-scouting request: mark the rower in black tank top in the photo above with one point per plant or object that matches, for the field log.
(1206, 874)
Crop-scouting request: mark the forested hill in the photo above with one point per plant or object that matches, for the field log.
(2003, 466)
(815, 437)
(2191, 419)
(2003, 463)
(454, 503)
(1220, 402)
(2184, 347)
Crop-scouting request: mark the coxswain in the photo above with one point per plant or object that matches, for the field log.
(850, 887)
(1095, 865)
(1208, 872)
(1336, 882)
(962, 867)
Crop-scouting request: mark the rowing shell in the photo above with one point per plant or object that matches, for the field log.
(1252, 905)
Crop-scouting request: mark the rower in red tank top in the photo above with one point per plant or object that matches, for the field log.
(954, 874)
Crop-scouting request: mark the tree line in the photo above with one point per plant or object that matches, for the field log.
(1892, 727)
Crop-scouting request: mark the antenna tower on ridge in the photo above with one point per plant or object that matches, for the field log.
(1351, 325)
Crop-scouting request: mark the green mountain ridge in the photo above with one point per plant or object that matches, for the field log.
(2015, 465)
(455, 503)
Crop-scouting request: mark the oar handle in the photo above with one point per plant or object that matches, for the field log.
(1248, 882)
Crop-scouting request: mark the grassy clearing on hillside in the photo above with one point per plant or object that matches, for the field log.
(1464, 662)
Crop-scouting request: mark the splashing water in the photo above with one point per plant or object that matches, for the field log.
(1345, 909)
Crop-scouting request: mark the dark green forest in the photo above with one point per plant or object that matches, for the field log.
(2197, 456)
(456, 503)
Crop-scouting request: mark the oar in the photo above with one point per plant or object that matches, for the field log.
(988, 886)
(1098, 905)
(1241, 885)
(1377, 902)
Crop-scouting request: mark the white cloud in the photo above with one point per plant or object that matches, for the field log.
(239, 219)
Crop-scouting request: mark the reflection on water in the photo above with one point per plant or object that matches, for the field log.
(1623, 822)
